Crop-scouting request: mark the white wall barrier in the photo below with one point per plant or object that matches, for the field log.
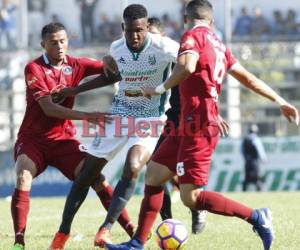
(281, 172)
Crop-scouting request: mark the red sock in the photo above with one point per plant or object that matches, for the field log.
(19, 211)
(105, 196)
(151, 205)
(218, 204)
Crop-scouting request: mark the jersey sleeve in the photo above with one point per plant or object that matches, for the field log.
(35, 82)
(171, 48)
(230, 58)
(189, 44)
(90, 66)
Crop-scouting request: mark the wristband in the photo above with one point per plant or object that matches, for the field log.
(160, 89)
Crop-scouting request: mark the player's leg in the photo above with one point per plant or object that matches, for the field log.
(257, 178)
(216, 203)
(245, 185)
(159, 170)
(258, 184)
(86, 174)
(198, 216)
(156, 176)
(25, 171)
(104, 192)
(198, 220)
(193, 172)
(91, 167)
(248, 175)
(78, 192)
(136, 159)
(166, 210)
(72, 162)
(30, 162)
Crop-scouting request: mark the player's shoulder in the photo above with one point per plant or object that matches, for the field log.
(190, 32)
(199, 36)
(35, 64)
(117, 45)
(196, 33)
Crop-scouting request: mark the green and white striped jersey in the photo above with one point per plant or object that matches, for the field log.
(148, 68)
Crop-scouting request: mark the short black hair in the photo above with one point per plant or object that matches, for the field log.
(253, 128)
(154, 21)
(199, 9)
(135, 11)
(52, 28)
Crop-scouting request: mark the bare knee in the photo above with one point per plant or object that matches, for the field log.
(151, 178)
(136, 159)
(99, 183)
(24, 179)
(157, 174)
(189, 197)
(25, 172)
(132, 169)
(90, 170)
(83, 181)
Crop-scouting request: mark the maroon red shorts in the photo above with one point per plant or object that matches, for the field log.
(189, 157)
(64, 155)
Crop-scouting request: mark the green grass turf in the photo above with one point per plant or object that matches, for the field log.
(221, 233)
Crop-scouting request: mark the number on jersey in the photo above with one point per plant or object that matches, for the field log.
(220, 67)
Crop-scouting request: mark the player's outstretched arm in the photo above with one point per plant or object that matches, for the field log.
(252, 82)
(111, 75)
(57, 111)
(97, 82)
(185, 66)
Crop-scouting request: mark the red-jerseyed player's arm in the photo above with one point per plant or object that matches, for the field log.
(111, 75)
(185, 66)
(54, 110)
(252, 82)
(97, 82)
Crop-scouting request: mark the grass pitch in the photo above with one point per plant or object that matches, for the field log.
(221, 233)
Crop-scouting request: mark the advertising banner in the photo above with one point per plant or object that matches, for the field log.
(281, 171)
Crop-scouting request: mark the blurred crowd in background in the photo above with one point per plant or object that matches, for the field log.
(248, 25)
(283, 26)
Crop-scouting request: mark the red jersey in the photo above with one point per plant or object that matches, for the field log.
(42, 79)
(199, 92)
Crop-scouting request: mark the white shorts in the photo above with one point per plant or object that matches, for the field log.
(123, 131)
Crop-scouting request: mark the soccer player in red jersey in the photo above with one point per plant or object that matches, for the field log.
(47, 136)
(198, 217)
(203, 61)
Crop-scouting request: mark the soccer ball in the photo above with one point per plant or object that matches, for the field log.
(171, 235)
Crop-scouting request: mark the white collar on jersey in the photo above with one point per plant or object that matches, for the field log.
(201, 24)
(46, 60)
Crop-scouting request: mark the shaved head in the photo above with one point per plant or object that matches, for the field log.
(199, 9)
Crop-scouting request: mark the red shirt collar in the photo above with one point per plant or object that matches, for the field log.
(46, 60)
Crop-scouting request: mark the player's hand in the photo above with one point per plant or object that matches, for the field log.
(68, 92)
(96, 117)
(148, 92)
(110, 68)
(58, 96)
(290, 113)
(223, 126)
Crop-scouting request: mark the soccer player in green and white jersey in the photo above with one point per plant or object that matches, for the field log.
(143, 60)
